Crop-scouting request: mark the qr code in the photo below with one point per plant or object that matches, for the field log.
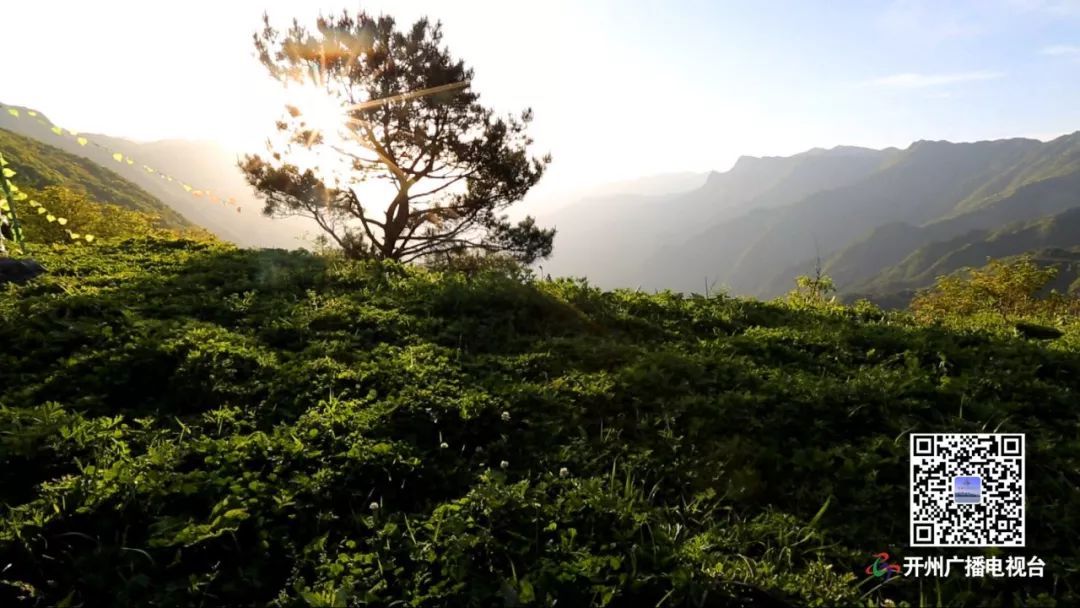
(967, 490)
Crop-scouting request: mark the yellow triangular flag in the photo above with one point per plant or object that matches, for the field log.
(34, 204)
(58, 130)
(118, 157)
(82, 141)
(72, 132)
(50, 217)
(129, 161)
(13, 112)
(31, 113)
(89, 238)
(41, 210)
(62, 221)
(8, 172)
(74, 235)
(187, 187)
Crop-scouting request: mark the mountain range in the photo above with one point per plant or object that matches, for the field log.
(881, 223)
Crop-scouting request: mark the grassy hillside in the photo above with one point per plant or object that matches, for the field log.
(40, 165)
(190, 424)
(200, 164)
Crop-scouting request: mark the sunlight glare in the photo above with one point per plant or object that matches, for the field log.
(318, 110)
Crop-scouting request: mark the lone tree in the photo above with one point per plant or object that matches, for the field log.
(401, 117)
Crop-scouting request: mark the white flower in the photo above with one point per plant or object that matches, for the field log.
(564, 472)
(504, 464)
(444, 445)
(374, 506)
(506, 416)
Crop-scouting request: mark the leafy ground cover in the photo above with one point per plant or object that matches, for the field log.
(183, 423)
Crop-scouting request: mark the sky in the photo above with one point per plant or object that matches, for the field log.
(620, 88)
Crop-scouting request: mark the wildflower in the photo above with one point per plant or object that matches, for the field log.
(503, 464)
(444, 445)
(374, 506)
(564, 472)
(506, 416)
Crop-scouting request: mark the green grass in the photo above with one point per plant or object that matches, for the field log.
(184, 423)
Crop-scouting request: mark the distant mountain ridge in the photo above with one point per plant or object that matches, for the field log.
(878, 221)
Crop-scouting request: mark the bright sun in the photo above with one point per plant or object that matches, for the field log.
(319, 110)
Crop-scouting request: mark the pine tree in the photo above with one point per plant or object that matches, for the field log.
(407, 119)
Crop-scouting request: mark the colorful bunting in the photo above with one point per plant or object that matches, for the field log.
(118, 157)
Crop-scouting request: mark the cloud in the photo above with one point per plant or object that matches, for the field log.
(914, 80)
(1062, 49)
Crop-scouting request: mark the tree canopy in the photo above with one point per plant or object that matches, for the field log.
(1008, 289)
(393, 109)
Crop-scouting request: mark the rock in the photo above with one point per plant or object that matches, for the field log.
(1037, 332)
(18, 271)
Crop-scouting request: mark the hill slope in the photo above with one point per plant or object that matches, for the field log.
(187, 424)
(39, 165)
(1059, 231)
(202, 165)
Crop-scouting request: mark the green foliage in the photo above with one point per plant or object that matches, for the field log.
(1007, 290)
(813, 291)
(184, 423)
(84, 216)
